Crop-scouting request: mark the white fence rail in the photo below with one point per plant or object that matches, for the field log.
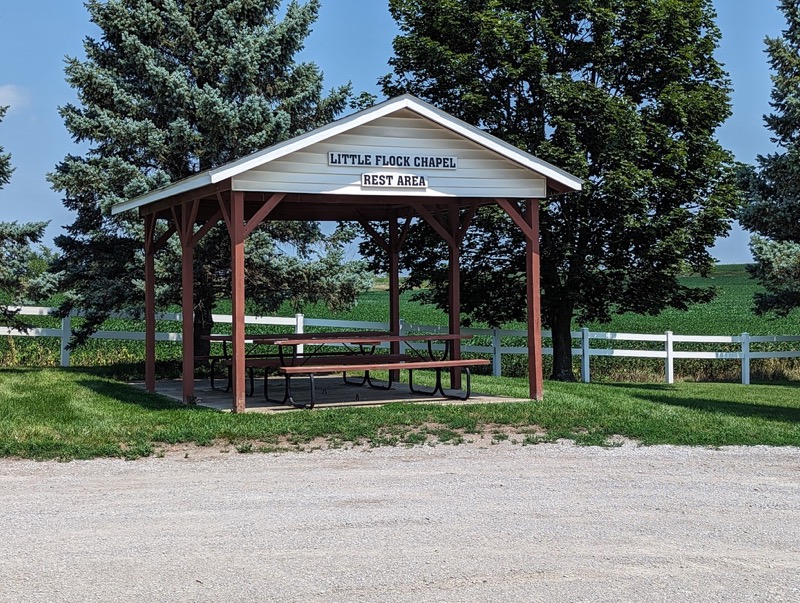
(299, 323)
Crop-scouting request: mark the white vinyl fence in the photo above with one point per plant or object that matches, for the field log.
(496, 349)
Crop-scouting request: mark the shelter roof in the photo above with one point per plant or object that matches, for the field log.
(388, 157)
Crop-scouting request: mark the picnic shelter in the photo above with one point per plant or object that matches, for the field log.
(398, 161)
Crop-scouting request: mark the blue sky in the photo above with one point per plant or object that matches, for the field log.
(351, 41)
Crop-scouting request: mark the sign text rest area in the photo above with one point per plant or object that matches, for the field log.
(386, 179)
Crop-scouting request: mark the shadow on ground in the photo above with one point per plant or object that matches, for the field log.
(670, 396)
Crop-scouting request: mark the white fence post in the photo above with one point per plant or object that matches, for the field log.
(745, 358)
(497, 353)
(585, 355)
(402, 348)
(670, 363)
(299, 328)
(66, 332)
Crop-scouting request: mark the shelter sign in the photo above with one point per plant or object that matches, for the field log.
(387, 179)
(393, 180)
(392, 160)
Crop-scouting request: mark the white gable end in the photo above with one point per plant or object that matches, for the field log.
(402, 153)
(404, 129)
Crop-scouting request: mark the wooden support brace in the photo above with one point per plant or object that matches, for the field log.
(473, 209)
(512, 209)
(262, 213)
(404, 233)
(374, 234)
(162, 240)
(210, 223)
(434, 223)
(225, 208)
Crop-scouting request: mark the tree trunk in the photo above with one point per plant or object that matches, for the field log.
(203, 309)
(561, 325)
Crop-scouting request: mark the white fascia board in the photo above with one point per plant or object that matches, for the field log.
(273, 153)
(187, 184)
(497, 145)
(388, 107)
(259, 158)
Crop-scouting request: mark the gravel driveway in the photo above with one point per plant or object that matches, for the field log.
(435, 523)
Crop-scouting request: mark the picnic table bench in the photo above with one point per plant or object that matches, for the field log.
(252, 363)
(410, 364)
(358, 354)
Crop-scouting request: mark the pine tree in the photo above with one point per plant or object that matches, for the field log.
(170, 89)
(773, 207)
(625, 94)
(17, 281)
(5, 158)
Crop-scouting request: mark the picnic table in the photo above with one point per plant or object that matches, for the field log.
(356, 353)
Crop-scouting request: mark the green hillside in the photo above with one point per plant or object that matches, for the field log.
(730, 313)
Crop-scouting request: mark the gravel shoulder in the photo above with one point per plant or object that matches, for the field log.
(480, 522)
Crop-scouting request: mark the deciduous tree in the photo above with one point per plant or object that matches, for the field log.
(773, 207)
(625, 94)
(169, 89)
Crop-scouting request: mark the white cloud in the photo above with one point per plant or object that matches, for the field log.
(13, 96)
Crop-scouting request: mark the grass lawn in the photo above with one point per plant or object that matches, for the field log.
(74, 413)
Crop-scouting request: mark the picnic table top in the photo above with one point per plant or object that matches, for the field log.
(356, 338)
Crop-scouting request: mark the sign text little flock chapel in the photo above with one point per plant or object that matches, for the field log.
(385, 179)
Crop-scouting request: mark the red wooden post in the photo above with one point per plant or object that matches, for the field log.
(533, 289)
(237, 232)
(187, 286)
(455, 294)
(149, 307)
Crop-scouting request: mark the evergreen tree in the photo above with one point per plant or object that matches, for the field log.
(5, 158)
(773, 207)
(17, 280)
(625, 94)
(170, 89)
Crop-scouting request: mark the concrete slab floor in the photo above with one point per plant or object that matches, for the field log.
(331, 392)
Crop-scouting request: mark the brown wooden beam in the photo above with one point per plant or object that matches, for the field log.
(262, 213)
(206, 192)
(162, 240)
(374, 234)
(237, 234)
(454, 301)
(512, 209)
(184, 217)
(435, 224)
(393, 249)
(210, 223)
(404, 232)
(465, 224)
(533, 293)
(149, 304)
(225, 208)
(187, 308)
